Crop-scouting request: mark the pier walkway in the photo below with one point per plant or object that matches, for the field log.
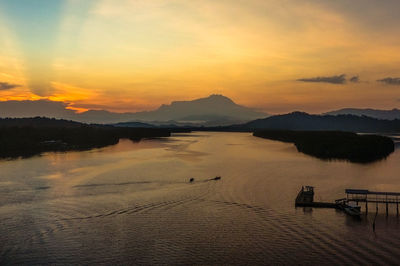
(362, 195)
(305, 198)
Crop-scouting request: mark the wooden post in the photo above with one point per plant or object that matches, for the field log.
(397, 208)
(376, 214)
(387, 206)
(366, 207)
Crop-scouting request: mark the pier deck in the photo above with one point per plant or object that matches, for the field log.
(305, 198)
(366, 196)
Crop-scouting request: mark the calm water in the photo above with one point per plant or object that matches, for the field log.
(132, 204)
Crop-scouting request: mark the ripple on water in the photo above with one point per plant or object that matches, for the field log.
(152, 215)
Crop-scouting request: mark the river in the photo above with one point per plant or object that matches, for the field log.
(132, 203)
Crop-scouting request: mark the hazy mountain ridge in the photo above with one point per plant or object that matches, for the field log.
(210, 108)
(375, 113)
(213, 110)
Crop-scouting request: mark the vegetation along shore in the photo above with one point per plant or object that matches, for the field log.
(24, 137)
(334, 144)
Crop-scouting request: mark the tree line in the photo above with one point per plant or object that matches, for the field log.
(29, 136)
(334, 144)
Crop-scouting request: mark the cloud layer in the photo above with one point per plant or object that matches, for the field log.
(354, 79)
(160, 51)
(340, 79)
(8, 86)
(390, 81)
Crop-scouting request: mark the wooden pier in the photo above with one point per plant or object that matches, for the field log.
(371, 197)
(305, 198)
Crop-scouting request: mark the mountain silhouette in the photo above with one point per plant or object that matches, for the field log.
(213, 110)
(214, 107)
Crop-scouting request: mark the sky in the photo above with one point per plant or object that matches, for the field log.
(133, 55)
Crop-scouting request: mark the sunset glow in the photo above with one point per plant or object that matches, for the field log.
(138, 54)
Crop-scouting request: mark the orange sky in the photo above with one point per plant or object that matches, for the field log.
(140, 54)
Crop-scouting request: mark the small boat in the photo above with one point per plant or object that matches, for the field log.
(352, 209)
(216, 178)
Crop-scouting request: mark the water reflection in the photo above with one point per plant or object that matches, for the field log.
(133, 203)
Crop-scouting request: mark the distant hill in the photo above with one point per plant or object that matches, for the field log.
(379, 114)
(211, 111)
(134, 124)
(304, 121)
(39, 108)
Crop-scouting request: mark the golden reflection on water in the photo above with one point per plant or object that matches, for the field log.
(138, 195)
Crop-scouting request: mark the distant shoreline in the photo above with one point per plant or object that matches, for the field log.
(33, 136)
(25, 137)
